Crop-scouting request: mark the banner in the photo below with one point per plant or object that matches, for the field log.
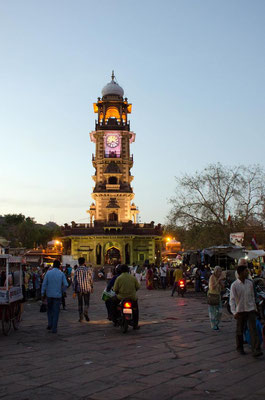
(254, 244)
(237, 238)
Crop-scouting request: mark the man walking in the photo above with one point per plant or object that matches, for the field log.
(83, 286)
(138, 273)
(243, 307)
(163, 275)
(53, 286)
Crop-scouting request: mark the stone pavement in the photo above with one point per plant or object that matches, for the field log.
(174, 355)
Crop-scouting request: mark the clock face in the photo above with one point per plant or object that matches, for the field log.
(112, 141)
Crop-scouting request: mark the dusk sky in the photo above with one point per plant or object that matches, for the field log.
(193, 70)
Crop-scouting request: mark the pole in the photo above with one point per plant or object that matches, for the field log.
(7, 273)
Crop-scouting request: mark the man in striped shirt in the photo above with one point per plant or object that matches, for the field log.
(83, 286)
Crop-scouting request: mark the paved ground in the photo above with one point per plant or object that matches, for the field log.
(175, 355)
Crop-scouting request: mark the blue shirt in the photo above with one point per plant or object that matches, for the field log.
(37, 280)
(54, 283)
(111, 283)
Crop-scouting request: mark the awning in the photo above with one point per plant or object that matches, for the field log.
(228, 250)
(32, 259)
(252, 254)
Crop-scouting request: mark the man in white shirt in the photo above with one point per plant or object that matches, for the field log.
(243, 307)
(138, 273)
(163, 275)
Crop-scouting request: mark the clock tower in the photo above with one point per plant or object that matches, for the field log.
(113, 234)
(112, 193)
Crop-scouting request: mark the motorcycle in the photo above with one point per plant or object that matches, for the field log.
(260, 301)
(126, 311)
(204, 286)
(181, 288)
(69, 280)
(101, 274)
(157, 282)
(225, 297)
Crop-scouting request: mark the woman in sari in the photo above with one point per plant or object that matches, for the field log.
(149, 280)
(216, 284)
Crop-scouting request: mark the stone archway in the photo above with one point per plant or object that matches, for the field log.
(98, 253)
(113, 256)
(127, 254)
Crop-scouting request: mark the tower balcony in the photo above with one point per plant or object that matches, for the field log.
(110, 186)
(112, 124)
(112, 155)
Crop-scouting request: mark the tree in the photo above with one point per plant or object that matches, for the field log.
(218, 200)
(25, 232)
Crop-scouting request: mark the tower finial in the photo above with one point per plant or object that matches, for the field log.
(112, 76)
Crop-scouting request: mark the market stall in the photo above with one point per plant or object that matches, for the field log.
(10, 292)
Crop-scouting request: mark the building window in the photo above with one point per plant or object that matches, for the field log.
(113, 217)
(113, 180)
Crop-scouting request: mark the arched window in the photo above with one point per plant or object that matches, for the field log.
(98, 254)
(113, 180)
(113, 217)
(112, 112)
(127, 254)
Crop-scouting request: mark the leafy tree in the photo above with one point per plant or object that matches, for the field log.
(25, 232)
(14, 219)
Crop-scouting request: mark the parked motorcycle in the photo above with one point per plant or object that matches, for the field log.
(225, 297)
(182, 287)
(126, 311)
(204, 286)
(260, 300)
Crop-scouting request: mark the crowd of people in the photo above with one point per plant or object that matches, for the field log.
(243, 296)
(168, 274)
(54, 284)
(49, 284)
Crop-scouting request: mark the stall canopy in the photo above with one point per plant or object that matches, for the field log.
(233, 251)
(228, 250)
(252, 254)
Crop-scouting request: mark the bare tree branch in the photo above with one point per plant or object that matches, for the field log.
(216, 193)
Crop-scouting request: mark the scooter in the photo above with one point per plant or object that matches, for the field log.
(182, 287)
(125, 315)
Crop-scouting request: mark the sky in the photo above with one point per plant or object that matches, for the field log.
(193, 70)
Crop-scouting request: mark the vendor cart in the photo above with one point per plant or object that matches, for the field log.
(11, 294)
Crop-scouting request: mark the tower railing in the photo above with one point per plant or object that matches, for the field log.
(113, 124)
(112, 155)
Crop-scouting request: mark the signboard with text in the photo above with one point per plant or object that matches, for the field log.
(11, 295)
(237, 238)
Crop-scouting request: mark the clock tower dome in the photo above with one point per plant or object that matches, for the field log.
(112, 193)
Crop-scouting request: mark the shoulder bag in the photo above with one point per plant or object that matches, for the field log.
(213, 299)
